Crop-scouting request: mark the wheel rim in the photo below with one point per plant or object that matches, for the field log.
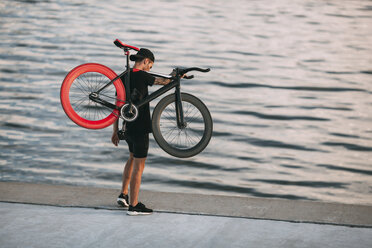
(182, 138)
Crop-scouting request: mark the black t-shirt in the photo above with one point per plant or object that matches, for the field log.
(139, 82)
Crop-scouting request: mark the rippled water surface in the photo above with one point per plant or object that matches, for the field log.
(290, 92)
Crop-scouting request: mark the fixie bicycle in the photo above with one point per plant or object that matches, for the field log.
(94, 96)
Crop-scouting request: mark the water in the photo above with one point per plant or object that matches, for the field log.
(289, 91)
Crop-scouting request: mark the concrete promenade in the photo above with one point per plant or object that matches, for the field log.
(39, 215)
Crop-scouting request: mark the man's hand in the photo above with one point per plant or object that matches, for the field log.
(174, 73)
(165, 81)
(115, 138)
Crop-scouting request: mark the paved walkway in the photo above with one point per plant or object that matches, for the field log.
(247, 207)
(25, 225)
(41, 215)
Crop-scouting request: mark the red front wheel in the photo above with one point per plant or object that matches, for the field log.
(79, 83)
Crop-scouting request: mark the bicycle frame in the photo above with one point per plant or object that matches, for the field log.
(175, 83)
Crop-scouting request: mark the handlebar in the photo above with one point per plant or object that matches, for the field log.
(186, 70)
(188, 77)
(182, 71)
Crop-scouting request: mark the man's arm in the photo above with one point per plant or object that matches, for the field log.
(164, 81)
(114, 137)
(116, 126)
(161, 81)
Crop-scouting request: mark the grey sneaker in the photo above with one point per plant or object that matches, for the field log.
(123, 200)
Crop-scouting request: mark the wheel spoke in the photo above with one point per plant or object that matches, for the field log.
(186, 137)
(85, 84)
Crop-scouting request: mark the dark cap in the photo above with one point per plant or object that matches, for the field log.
(142, 54)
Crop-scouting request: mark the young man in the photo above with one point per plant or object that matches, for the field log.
(137, 132)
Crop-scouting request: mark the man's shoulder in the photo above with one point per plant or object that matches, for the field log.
(144, 76)
(140, 72)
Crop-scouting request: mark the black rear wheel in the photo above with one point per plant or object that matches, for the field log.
(186, 141)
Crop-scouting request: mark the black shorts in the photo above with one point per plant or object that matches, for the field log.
(138, 145)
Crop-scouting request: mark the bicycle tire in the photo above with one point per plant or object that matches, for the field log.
(76, 87)
(198, 124)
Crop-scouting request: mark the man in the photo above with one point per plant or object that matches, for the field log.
(137, 132)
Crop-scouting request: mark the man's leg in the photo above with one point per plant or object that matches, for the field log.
(139, 153)
(122, 199)
(127, 173)
(135, 182)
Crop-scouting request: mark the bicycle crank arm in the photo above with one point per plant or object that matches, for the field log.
(95, 98)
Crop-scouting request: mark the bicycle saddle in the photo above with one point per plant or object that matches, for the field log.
(122, 45)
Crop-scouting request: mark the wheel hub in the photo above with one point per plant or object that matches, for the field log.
(183, 126)
(93, 95)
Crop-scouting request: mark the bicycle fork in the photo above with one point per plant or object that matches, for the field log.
(179, 109)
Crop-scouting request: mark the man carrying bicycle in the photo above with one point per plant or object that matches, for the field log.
(93, 102)
(137, 132)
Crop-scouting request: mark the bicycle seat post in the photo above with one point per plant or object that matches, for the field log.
(127, 77)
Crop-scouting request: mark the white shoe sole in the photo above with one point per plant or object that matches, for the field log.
(134, 213)
(122, 202)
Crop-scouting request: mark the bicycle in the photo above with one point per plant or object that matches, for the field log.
(94, 97)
